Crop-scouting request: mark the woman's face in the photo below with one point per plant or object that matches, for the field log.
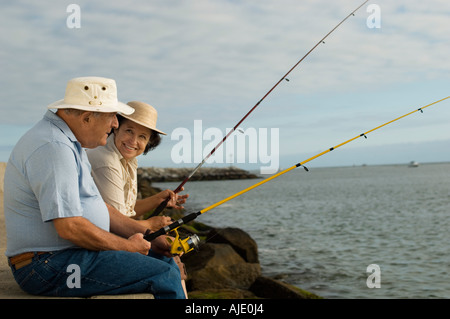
(131, 139)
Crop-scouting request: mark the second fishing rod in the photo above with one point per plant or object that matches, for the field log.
(185, 245)
(163, 204)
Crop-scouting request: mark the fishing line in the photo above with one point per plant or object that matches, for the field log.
(161, 206)
(191, 242)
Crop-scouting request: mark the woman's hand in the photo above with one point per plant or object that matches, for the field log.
(175, 200)
(156, 222)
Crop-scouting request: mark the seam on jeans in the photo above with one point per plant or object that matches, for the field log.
(100, 282)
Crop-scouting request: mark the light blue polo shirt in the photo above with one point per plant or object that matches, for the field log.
(48, 176)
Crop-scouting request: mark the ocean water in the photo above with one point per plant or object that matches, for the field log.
(320, 230)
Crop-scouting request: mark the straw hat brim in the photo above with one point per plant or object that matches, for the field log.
(142, 123)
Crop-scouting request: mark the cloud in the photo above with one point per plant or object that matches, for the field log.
(213, 60)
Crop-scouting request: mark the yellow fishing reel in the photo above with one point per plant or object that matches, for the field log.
(183, 246)
(179, 246)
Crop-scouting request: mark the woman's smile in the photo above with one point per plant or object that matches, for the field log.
(131, 139)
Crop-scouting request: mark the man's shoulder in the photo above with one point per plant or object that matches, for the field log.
(42, 145)
(43, 134)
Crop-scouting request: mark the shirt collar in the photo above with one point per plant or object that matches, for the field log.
(61, 124)
(111, 146)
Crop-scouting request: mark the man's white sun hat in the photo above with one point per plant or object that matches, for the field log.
(94, 94)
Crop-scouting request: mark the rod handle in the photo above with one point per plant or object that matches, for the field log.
(160, 208)
(186, 219)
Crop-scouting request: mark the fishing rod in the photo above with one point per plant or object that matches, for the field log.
(163, 204)
(186, 245)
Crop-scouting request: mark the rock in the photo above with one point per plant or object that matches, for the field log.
(241, 242)
(265, 287)
(145, 188)
(226, 293)
(218, 266)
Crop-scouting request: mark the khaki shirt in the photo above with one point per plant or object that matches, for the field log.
(115, 177)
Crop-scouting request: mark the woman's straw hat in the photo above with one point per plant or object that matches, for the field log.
(144, 114)
(94, 94)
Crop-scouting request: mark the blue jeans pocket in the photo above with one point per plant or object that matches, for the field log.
(35, 278)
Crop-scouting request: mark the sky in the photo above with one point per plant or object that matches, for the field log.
(212, 61)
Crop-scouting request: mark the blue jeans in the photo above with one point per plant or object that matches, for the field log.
(100, 273)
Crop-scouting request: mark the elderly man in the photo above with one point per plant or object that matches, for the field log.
(62, 239)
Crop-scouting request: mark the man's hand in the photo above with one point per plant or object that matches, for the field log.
(161, 246)
(139, 244)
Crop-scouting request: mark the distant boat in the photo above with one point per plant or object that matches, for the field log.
(413, 164)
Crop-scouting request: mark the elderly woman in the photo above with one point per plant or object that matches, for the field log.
(114, 166)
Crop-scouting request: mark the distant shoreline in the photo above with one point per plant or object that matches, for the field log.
(171, 174)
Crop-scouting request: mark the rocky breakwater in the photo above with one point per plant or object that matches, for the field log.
(158, 174)
(226, 264)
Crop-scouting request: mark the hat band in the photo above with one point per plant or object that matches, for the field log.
(95, 102)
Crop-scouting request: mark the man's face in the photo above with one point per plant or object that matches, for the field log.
(98, 128)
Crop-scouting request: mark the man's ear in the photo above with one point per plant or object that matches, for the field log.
(86, 117)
